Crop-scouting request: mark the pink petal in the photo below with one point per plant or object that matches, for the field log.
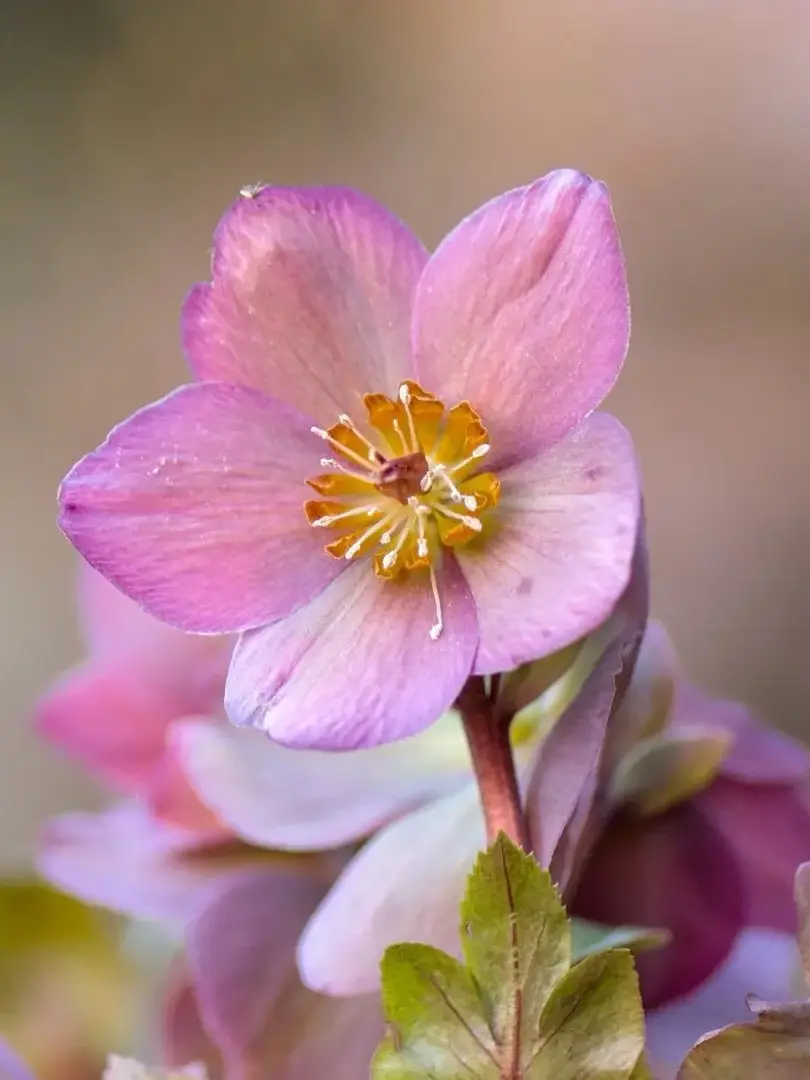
(305, 1036)
(405, 885)
(173, 799)
(194, 507)
(357, 666)
(122, 859)
(673, 872)
(570, 755)
(183, 1038)
(111, 720)
(189, 668)
(562, 555)
(759, 754)
(241, 951)
(311, 300)
(768, 828)
(310, 800)
(761, 961)
(523, 311)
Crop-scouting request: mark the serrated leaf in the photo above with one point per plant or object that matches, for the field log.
(592, 1027)
(437, 1025)
(518, 1011)
(589, 937)
(516, 941)
(748, 1052)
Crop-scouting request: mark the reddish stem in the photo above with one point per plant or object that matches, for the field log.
(494, 764)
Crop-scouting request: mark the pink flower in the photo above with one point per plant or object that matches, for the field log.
(701, 820)
(115, 711)
(145, 692)
(473, 512)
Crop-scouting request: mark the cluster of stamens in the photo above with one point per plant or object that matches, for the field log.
(408, 488)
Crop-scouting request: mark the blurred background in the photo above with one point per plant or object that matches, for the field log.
(128, 125)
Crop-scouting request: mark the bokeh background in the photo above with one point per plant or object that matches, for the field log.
(128, 125)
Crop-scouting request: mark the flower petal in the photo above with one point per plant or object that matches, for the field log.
(182, 1035)
(523, 311)
(356, 667)
(768, 828)
(761, 961)
(404, 885)
(759, 754)
(172, 798)
(674, 872)
(310, 800)
(562, 554)
(194, 507)
(311, 299)
(241, 951)
(111, 720)
(305, 1036)
(123, 860)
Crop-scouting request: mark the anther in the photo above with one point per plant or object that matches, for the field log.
(405, 398)
(478, 452)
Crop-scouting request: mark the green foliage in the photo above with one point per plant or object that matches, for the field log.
(518, 1008)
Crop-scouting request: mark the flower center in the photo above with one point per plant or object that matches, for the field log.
(407, 490)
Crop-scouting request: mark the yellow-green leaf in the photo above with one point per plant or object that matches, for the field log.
(593, 1025)
(516, 941)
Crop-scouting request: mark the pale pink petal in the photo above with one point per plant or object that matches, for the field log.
(762, 962)
(305, 1035)
(308, 799)
(111, 720)
(570, 754)
(523, 311)
(189, 668)
(357, 666)
(183, 1038)
(241, 951)
(768, 828)
(311, 300)
(760, 754)
(311, 1036)
(194, 507)
(172, 798)
(406, 884)
(122, 859)
(562, 553)
(674, 872)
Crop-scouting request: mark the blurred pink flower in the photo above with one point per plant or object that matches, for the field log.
(699, 822)
(324, 307)
(115, 711)
(164, 855)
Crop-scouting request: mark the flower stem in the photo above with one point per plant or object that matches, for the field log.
(494, 764)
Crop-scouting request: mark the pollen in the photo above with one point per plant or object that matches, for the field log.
(405, 485)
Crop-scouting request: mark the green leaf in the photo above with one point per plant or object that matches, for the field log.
(593, 1025)
(517, 1010)
(434, 1011)
(516, 940)
(589, 937)
(748, 1052)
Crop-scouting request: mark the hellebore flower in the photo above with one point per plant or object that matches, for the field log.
(702, 817)
(473, 512)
